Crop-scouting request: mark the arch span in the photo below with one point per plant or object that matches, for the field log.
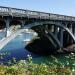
(12, 36)
(48, 22)
(60, 25)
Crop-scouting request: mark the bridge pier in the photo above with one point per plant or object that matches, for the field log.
(7, 28)
(55, 31)
(22, 25)
(50, 28)
(72, 32)
(61, 37)
(70, 27)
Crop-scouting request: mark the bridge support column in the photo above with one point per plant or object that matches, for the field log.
(56, 31)
(70, 40)
(7, 28)
(50, 28)
(46, 27)
(23, 22)
(73, 29)
(72, 32)
(61, 37)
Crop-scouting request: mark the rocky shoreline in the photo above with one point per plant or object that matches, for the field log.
(70, 48)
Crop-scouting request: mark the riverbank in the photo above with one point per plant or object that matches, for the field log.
(70, 48)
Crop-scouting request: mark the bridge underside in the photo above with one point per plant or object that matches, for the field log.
(59, 33)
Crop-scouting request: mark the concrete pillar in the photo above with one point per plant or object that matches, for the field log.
(61, 37)
(65, 24)
(70, 27)
(68, 37)
(50, 28)
(73, 29)
(70, 40)
(46, 27)
(72, 32)
(23, 23)
(55, 31)
(7, 28)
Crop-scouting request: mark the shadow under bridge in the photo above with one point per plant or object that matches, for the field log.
(52, 31)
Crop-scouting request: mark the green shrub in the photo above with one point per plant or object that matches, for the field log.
(27, 67)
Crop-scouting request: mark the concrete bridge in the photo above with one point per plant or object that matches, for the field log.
(53, 26)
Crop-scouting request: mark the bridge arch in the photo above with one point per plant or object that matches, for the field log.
(30, 26)
(59, 25)
(42, 30)
(55, 24)
(16, 23)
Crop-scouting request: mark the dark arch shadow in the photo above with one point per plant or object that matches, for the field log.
(2, 24)
(15, 22)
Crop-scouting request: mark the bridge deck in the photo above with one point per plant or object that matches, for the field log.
(7, 11)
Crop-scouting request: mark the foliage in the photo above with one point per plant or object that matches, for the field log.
(27, 67)
(4, 54)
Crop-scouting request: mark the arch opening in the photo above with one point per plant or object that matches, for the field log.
(15, 25)
(57, 25)
(2, 24)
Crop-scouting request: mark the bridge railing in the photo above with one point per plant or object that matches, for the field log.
(33, 14)
(4, 9)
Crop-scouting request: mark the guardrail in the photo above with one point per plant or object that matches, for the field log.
(33, 14)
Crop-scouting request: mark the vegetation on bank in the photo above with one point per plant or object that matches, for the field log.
(27, 67)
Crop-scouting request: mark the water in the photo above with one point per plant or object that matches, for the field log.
(16, 49)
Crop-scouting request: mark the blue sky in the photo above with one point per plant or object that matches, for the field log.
(66, 7)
